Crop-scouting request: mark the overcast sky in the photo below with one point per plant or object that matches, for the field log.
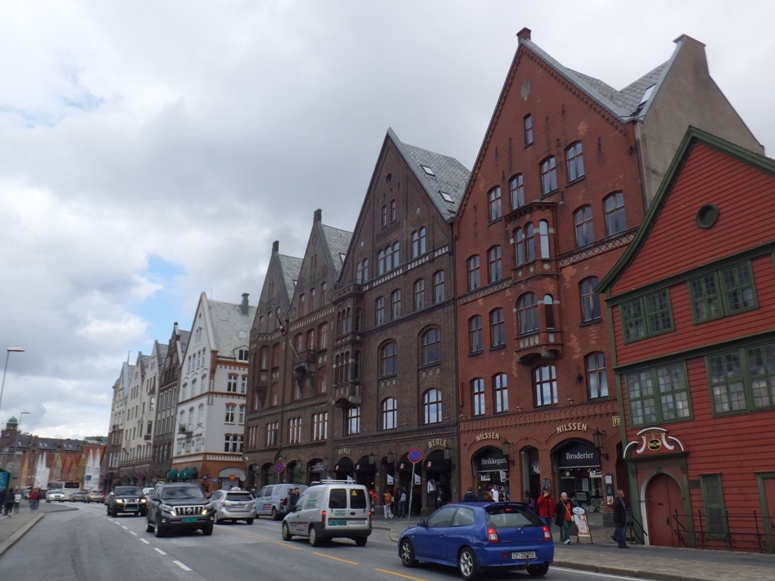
(152, 150)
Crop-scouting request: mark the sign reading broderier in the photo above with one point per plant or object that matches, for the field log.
(579, 456)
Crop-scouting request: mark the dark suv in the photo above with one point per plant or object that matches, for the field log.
(178, 506)
(126, 499)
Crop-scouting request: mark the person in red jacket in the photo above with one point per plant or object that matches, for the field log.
(545, 507)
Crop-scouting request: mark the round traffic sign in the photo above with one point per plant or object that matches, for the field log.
(414, 455)
(279, 467)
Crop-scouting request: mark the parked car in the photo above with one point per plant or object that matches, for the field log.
(79, 496)
(126, 499)
(270, 500)
(331, 510)
(233, 505)
(179, 506)
(55, 495)
(478, 535)
(95, 495)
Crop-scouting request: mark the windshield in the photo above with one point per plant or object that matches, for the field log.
(182, 492)
(239, 496)
(127, 491)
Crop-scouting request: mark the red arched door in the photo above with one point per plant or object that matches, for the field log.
(663, 499)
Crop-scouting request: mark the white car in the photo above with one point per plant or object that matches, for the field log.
(55, 495)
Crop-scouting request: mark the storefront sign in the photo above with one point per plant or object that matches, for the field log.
(343, 452)
(572, 427)
(488, 436)
(579, 456)
(440, 442)
(492, 463)
(317, 467)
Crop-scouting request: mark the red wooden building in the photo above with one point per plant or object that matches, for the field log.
(692, 308)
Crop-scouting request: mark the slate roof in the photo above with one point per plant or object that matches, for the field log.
(337, 241)
(291, 267)
(227, 322)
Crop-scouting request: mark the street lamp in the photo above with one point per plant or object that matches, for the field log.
(8, 352)
(16, 446)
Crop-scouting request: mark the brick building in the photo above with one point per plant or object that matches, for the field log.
(692, 307)
(557, 191)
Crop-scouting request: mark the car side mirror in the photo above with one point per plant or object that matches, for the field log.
(422, 523)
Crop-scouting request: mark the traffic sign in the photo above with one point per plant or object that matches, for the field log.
(279, 467)
(414, 455)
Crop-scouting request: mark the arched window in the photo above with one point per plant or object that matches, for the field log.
(575, 161)
(527, 313)
(590, 300)
(474, 280)
(494, 203)
(393, 211)
(263, 358)
(302, 304)
(585, 234)
(497, 328)
(395, 305)
(549, 311)
(543, 234)
(389, 413)
(418, 242)
(388, 359)
(494, 268)
(477, 397)
(379, 311)
(597, 384)
(381, 263)
(548, 175)
(431, 406)
(353, 425)
(517, 190)
(438, 287)
(323, 336)
(519, 246)
(419, 295)
(545, 383)
(384, 216)
(431, 346)
(500, 392)
(530, 243)
(475, 334)
(310, 342)
(615, 220)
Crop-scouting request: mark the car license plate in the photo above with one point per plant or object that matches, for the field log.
(523, 555)
(238, 506)
(358, 523)
(188, 519)
(130, 508)
(337, 523)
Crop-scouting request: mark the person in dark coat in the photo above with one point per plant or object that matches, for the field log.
(470, 496)
(9, 502)
(620, 520)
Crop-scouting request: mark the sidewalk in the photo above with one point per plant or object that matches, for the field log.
(645, 562)
(14, 528)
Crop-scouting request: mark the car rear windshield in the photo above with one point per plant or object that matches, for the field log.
(338, 498)
(127, 491)
(244, 496)
(512, 516)
(182, 493)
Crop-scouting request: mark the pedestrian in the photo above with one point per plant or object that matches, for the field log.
(545, 507)
(620, 520)
(9, 496)
(562, 517)
(388, 504)
(495, 493)
(17, 500)
(502, 494)
(529, 500)
(469, 496)
(487, 495)
(3, 494)
(402, 499)
(34, 498)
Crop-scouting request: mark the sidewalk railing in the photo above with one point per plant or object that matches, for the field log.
(724, 530)
(635, 530)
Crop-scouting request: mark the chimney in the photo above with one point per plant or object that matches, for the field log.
(275, 247)
(318, 215)
(175, 330)
(244, 306)
(524, 34)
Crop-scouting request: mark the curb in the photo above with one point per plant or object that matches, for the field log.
(625, 572)
(11, 541)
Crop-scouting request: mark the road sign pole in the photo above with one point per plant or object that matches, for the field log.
(411, 493)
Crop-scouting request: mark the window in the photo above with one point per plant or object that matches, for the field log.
(274, 394)
(232, 443)
(549, 311)
(241, 414)
(497, 328)
(384, 216)
(743, 379)
(477, 397)
(519, 246)
(543, 235)
(276, 355)
(494, 268)
(575, 162)
(715, 508)
(243, 354)
(517, 191)
(657, 395)
(530, 243)
(545, 382)
(230, 411)
(528, 123)
(500, 392)
(431, 406)
(362, 271)
(418, 242)
(395, 305)
(615, 220)
(548, 175)
(393, 211)
(389, 414)
(324, 286)
(323, 336)
(294, 430)
(474, 281)
(302, 304)
(431, 346)
(310, 342)
(438, 286)
(646, 316)
(527, 313)
(597, 384)
(321, 380)
(312, 296)
(388, 359)
(722, 293)
(584, 231)
(419, 295)
(353, 425)
(379, 311)
(231, 383)
(590, 300)
(494, 203)
(475, 334)
(319, 426)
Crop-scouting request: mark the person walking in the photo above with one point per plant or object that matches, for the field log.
(34, 499)
(620, 520)
(17, 500)
(545, 508)
(9, 502)
(388, 504)
(402, 498)
(562, 517)
(469, 496)
(495, 493)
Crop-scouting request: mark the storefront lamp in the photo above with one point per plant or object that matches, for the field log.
(372, 458)
(597, 435)
(506, 447)
(390, 457)
(447, 452)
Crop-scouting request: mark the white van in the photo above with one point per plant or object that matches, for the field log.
(270, 500)
(332, 509)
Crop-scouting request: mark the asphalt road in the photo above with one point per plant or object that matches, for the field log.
(87, 545)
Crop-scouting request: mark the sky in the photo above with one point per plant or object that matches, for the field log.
(151, 151)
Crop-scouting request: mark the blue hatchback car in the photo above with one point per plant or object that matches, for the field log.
(478, 535)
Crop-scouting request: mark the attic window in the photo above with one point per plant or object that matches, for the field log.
(294, 282)
(646, 95)
(342, 256)
(446, 197)
(427, 170)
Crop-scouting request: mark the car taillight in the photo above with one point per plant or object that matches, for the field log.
(547, 534)
(323, 514)
(492, 535)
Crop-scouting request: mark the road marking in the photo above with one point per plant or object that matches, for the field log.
(400, 575)
(335, 558)
(132, 533)
(287, 545)
(244, 534)
(125, 528)
(181, 565)
(158, 550)
(144, 541)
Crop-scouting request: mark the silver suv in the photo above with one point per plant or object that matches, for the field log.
(175, 506)
(233, 505)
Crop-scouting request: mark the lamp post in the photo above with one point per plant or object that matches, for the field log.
(15, 448)
(8, 352)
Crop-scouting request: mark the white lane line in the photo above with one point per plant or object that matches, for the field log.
(132, 533)
(144, 541)
(158, 550)
(125, 528)
(181, 565)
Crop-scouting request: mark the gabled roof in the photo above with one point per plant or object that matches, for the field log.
(228, 321)
(691, 138)
(290, 267)
(337, 242)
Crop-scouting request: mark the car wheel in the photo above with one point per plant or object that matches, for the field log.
(538, 570)
(274, 513)
(114, 513)
(361, 541)
(148, 526)
(249, 521)
(207, 530)
(407, 554)
(466, 561)
(314, 540)
(157, 530)
(286, 532)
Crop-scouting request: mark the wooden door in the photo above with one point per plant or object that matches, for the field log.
(663, 498)
(768, 488)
